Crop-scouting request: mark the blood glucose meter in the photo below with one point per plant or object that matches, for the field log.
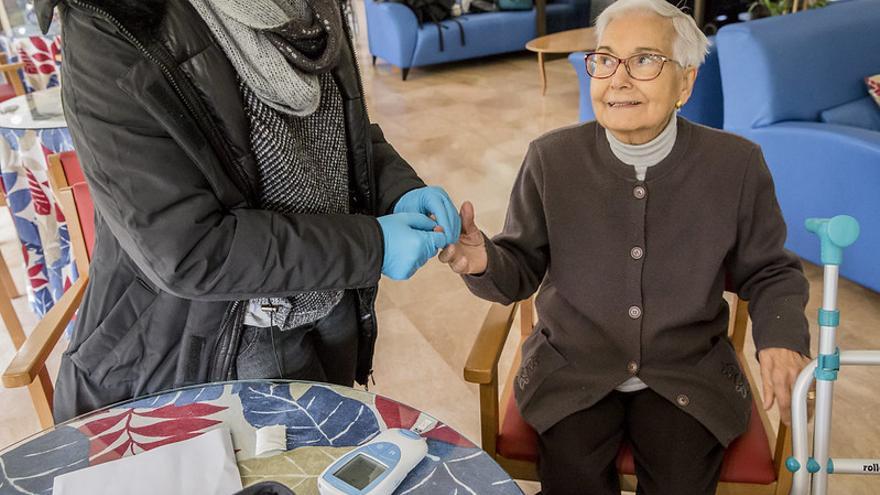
(377, 467)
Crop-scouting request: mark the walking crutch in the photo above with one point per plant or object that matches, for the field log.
(834, 234)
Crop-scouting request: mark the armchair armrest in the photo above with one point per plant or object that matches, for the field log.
(392, 31)
(482, 362)
(482, 367)
(779, 444)
(31, 357)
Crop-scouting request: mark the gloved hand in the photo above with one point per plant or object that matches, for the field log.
(432, 201)
(410, 241)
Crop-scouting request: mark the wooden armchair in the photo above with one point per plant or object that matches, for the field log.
(753, 464)
(28, 367)
(64, 170)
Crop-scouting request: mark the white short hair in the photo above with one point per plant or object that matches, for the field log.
(690, 46)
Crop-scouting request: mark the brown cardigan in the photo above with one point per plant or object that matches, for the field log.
(632, 273)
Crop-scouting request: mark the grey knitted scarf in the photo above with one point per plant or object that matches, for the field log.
(278, 47)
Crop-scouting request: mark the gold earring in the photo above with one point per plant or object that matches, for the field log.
(678, 104)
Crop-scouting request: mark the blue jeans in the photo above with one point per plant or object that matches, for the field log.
(322, 351)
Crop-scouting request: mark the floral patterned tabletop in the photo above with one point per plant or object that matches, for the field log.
(323, 423)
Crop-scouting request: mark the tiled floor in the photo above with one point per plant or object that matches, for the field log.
(466, 127)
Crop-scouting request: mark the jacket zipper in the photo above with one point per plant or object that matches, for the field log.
(372, 178)
(357, 72)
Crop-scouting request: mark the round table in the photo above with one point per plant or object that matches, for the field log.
(574, 40)
(323, 423)
(32, 127)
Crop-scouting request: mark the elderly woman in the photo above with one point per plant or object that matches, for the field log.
(633, 226)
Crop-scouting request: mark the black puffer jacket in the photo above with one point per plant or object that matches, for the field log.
(156, 116)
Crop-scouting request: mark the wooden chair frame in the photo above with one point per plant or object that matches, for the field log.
(11, 73)
(55, 172)
(8, 292)
(58, 183)
(482, 368)
(28, 367)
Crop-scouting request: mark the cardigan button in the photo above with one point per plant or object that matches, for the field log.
(633, 368)
(636, 253)
(639, 192)
(635, 312)
(683, 400)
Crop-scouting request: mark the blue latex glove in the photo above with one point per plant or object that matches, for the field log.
(433, 201)
(410, 241)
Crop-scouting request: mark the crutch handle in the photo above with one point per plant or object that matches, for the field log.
(835, 234)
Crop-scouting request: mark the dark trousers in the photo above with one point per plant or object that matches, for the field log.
(674, 454)
(322, 351)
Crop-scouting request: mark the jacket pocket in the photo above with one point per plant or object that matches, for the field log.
(116, 341)
(539, 360)
(722, 371)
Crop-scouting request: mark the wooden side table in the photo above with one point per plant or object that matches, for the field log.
(563, 42)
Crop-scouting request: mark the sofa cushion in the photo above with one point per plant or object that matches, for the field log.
(773, 68)
(515, 4)
(485, 34)
(863, 113)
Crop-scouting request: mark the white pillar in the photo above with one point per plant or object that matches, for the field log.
(4, 20)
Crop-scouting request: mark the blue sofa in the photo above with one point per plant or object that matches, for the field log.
(778, 74)
(705, 105)
(395, 35)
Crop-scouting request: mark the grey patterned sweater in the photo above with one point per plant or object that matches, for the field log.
(303, 170)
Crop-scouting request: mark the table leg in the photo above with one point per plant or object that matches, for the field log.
(543, 73)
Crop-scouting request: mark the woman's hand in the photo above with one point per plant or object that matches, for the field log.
(468, 255)
(779, 371)
(433, 202)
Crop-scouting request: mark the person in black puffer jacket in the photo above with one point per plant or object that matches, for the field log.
(245, 206)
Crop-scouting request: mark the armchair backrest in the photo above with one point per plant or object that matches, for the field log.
(85, 212)
(79, 210)
(64, 170)
(792, 67)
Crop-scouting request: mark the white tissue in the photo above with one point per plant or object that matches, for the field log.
(271, 440)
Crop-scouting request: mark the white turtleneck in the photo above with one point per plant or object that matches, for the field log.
(642, 156)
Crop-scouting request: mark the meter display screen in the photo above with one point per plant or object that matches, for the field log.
(360, 471)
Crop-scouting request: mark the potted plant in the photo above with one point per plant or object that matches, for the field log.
(767, 8)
